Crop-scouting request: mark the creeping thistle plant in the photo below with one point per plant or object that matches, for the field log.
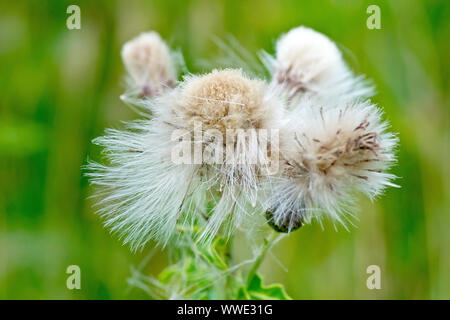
(226, 151)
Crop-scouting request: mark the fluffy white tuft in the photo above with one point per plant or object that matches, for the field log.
(309, 63)
(140, 193)
(149, 64)
(145, 194)
(327, 155)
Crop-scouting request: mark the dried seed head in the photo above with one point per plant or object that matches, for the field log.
(224, 99)
(309, 63)
(147, 194)
(306, 59)
(328, 154)
(147, 60)
(236, 106)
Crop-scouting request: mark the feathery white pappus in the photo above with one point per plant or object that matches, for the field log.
(309, 63)
(145, 193)
(149, 64)
(326, 156)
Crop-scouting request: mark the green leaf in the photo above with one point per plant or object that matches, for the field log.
(242, 294)
(169, 273)
(214, 254)
(257, 291)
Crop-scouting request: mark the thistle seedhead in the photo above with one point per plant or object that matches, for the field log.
(146, 194)
(232, 104)
(148, 62)
(329, 154)
(309, 63)
(225, 99)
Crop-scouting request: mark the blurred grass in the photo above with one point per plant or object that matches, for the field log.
(61, 88)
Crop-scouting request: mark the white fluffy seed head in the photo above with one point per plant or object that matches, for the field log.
(145, 195)
(327, 156)
(224, 99)
(307, 57)
(308, 62)
(232, 104)
(149, 64)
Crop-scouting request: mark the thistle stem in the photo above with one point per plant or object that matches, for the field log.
(268, 243)
(229, 253)
(229, 262)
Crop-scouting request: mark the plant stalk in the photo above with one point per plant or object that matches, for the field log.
(267, 245)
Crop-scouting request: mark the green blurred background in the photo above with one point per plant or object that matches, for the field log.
(60, 88)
